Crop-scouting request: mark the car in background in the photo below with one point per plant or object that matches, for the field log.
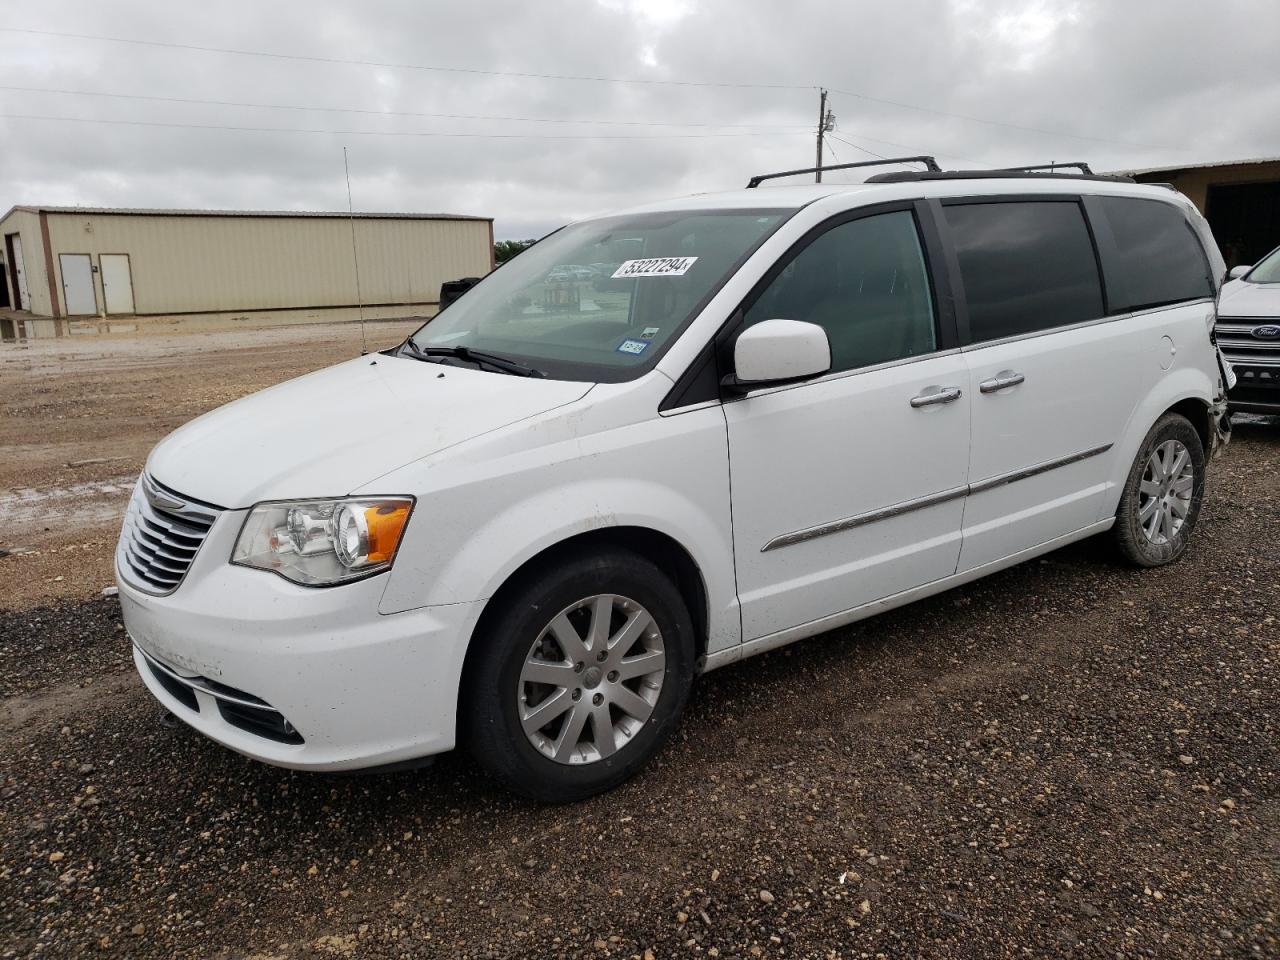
(1248, 333)
(568, 272)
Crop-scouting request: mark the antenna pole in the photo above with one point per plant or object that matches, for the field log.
(822, 129)
(355, 258)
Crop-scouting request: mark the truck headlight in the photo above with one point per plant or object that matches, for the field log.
(323, 542)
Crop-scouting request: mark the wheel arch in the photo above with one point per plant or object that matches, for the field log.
(1184, 391)
(1197, 411)
(663, 550)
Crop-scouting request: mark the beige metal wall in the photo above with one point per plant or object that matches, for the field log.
(1195, 182)
(27, 225)
(192, 264)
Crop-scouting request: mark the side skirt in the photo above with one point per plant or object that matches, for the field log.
(783, 637)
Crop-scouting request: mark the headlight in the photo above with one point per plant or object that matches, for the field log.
(322, 542)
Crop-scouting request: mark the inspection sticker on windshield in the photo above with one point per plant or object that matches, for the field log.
(633, 347)
(655, 267)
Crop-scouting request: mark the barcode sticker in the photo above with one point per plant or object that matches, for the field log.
(655, 267)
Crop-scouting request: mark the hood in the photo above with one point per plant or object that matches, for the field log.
(328, 433)
(1240, 298)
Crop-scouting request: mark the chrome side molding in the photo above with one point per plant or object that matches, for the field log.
(1016, 475)
(848, 523)
(932, 500)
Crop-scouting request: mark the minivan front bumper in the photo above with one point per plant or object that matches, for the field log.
(310, 679)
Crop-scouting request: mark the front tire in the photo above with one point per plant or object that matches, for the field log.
(579, 678)
(1161, 500)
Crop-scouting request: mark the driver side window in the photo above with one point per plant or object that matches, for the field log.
(865, 283)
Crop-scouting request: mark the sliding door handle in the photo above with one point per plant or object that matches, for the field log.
(932, 395)
(1005, 378)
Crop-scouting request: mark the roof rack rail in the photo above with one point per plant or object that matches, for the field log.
(930, 164)
(1051, 167)
(907, 176)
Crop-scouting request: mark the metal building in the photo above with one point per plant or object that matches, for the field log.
(83, 261)
(1239, 198)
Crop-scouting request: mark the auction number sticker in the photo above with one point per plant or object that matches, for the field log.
(655, 267)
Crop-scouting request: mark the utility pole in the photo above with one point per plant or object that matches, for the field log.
(826, 123)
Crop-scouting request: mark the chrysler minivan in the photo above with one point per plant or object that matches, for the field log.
(529, 526)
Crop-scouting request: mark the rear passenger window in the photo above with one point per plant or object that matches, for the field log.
(865, 283)
(1026, 266)
(1159, 260)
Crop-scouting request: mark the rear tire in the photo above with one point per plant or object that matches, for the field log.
(580, 678)
(1160, 503)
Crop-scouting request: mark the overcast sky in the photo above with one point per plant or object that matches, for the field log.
(1121, 84)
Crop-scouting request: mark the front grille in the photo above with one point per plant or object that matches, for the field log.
(1239, 345)
(162, 532)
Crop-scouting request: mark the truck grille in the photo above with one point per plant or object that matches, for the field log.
(1239, 345)
(162, 532)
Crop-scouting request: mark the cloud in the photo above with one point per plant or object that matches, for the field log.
(1152, 82)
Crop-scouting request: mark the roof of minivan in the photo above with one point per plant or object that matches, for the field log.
(799, 195)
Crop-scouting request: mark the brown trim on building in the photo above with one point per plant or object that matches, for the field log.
(15, 297)
(493, 257)
(314, 306)
(48, 265)
(269, 214)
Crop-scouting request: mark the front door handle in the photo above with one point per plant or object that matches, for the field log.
(1005, 378)
(931, 395)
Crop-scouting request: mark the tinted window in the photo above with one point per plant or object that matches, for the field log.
(1159, 260)
(1025, 266)
(865, 283)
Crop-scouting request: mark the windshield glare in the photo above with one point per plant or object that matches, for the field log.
(599, 300)
(1267, 269)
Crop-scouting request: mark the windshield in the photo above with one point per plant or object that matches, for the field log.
(598, 300)
(1267, 269)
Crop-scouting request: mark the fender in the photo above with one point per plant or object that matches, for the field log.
(1183, 383)
(666, 474)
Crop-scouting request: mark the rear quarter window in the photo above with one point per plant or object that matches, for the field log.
(1157, 260)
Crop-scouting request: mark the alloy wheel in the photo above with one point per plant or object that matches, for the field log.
(1164, 493)
(591, 679)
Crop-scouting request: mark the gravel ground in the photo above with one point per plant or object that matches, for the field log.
(1071, 758)
(78, 416)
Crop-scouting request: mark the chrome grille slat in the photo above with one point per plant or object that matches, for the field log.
(158, 542)
(162, 533)
(167, 529)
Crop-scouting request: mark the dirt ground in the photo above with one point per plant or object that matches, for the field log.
(79, 415)
(1072, 758)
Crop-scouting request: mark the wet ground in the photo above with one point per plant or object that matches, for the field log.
(79, 415)
(1071, 758)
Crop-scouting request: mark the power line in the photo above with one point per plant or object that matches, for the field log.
(997, 123)
(397, 66)
(389, 133)
(391, 113)
(855, 146)
(904, 146)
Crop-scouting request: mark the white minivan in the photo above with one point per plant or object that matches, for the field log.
(528, 527)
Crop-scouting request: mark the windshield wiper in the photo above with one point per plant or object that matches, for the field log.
(478, 357)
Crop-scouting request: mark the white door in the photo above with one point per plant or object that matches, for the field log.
(1052, 381)
(117, 282)
(21, 294)
(77, 284)
(844, 491)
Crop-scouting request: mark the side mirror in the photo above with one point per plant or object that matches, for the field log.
(1235, 273)
(778, 351)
